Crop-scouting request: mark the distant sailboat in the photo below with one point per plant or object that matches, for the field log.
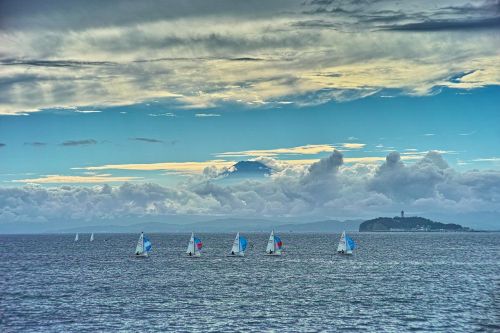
(92, 237)
(194, 246)
(76, 237)
(239, 246)
(274, 245)
(143, 246)
(346, 244)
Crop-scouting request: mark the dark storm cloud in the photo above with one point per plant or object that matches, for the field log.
(216, 43)
(313, 24)
(423, 17)
(71, 143)
(53, 63)
(149, 140)
(75, 14)
(443, 25)
(2, 145)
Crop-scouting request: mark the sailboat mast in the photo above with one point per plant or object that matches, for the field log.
(239, 243)
(142, 243)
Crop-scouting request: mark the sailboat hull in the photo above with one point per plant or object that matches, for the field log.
(198, 255)
(236, 255)
(273, 254)
(141, 255)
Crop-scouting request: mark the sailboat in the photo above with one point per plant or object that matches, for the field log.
(274, 245)
(194, 246)
(92, 237)
(76, 237)
(239, 246)
(143, 246)
(346, 244)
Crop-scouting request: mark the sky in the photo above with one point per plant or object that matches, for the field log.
(132, 111)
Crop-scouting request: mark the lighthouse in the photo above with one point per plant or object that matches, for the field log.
(402, 214)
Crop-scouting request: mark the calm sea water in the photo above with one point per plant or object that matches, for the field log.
(435, 282)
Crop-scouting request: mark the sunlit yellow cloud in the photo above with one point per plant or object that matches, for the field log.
(61, 179)
(353, 145)
(299, 150)
(191, 61)
(180, 167)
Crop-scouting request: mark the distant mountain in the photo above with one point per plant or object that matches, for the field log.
(138, 227)
(222, 225)
(247, 169)
(408, 224)
(232, 225)
(321, 226)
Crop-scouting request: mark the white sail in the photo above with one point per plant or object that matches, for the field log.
(92, 237)
(271, 246)
(342, 244)
(343, 247)
(76, 237)
(235, 250)
(139, 249)
(190, 249)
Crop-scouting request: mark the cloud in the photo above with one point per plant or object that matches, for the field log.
(88, 111)
(149, 140)
(298, 150)
(203, 115)
(353, 145)
(35, 144)
(61, 179)
(166, 114)
(328, 188)
(487, 159)
(181, 167)
(70, 143)
(254, 54)
(441, 25)
(2, 145)
(219, 165)
(326, 166)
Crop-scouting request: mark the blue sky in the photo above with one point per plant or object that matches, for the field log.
(460, 126)
(138, 110)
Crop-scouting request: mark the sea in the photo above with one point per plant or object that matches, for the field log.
(394, 282)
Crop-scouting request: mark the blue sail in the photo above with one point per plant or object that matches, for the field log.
(278, 242)
(350, 243)
(198, 244)
(243, 243)
(147, 245)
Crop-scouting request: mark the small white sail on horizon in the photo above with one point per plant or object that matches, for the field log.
(76, 237)
(143, 246)
(239, 246)
(346, 244)
(274, 245)
(194, 246)
(92, 237)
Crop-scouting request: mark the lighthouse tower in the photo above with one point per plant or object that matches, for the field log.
(402, 214)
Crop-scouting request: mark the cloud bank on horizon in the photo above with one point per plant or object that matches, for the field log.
(200, 54)
(325, 189)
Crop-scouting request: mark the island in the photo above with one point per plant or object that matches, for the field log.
(413, 224)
